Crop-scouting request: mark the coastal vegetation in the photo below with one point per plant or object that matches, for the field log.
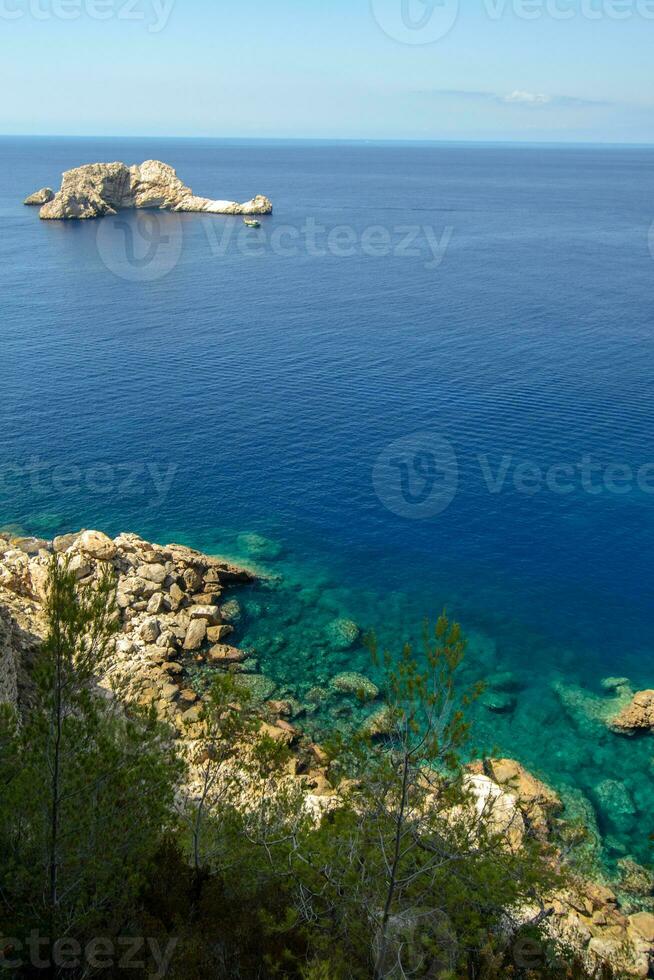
(210, 858)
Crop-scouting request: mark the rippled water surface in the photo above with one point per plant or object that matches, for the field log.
(333, 390)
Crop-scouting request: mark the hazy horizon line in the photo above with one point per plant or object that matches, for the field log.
(336, 139)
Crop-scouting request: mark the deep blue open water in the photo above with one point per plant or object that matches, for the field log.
(328, 384)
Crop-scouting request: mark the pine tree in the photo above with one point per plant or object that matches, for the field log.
(87, 785)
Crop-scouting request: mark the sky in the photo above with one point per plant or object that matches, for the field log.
(528, 70)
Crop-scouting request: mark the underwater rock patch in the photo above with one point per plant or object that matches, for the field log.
(356, 684)
(342, 634)
(261, 688)
(257, 546)
(616, 803)
(231, 611)
(381, 723)
(498, 701)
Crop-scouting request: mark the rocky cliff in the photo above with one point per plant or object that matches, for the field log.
(98, 189)
(176, 606)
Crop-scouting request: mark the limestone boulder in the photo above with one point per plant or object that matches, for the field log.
(150, 630)
(210, 614)
(642, 923)
(96, 545)
(224, 655)
(538, 803)
(39, 198)
(196, 634)
(637, 716)
(497, 808)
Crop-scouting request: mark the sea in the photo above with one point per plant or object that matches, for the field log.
(424, 383)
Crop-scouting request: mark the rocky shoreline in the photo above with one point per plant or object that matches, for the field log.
(177, 608)
(99, 189)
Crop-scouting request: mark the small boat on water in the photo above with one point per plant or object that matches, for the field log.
(252, 222)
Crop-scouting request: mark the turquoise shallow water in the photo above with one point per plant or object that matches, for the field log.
(200, 390)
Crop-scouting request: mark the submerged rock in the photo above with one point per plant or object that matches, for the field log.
(381, 723)
(635, 879)
(342, 634)
(591, 712)
(98, 189)
(617, 806)
(498, 702)
(256, 546)
(580, 830)
(506, 681)
(231, 611)
(261, 688)
(356, 684)
(615, 683)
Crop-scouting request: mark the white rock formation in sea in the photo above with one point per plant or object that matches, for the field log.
(39, 198)
(98, 189)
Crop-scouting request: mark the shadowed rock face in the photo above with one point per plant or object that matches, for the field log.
(98, 189)
(39, 198)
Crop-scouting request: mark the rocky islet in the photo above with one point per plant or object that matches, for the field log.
(98, 189)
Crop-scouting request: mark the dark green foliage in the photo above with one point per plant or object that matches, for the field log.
(86, 788)
(236, 878)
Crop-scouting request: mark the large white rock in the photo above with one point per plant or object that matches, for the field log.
(98, 189)
(497, 808)
(96, 545)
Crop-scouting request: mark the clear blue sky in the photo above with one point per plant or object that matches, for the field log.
(561, 70)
